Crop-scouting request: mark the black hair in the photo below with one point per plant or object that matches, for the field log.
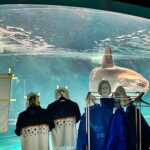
(32, 100)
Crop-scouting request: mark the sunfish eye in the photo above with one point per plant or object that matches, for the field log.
(140, 84)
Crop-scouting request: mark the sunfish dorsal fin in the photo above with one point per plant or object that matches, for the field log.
(107, 60)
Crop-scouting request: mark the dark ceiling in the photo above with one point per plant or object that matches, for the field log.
(133, 7)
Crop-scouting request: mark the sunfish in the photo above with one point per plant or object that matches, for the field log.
(129, 79)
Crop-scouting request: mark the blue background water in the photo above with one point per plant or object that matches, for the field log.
(48, 46)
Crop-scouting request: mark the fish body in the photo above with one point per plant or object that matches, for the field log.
(129, 79)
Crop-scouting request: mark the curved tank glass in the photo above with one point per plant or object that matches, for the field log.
(46, 46)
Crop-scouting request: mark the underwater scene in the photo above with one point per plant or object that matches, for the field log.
(51, 46)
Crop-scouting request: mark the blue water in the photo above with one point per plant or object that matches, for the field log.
(48, 46)
(10, 143)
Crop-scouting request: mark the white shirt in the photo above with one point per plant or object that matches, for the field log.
(64, 135)
(35, 137)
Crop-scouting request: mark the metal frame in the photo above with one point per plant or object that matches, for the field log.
(137, 119)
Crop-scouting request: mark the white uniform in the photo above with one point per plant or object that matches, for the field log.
(64, 135)
(35, 137)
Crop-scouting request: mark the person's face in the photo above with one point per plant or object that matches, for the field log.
(105, 90)
(121, 96)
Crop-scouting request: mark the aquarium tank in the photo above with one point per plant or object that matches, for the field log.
(49, 46)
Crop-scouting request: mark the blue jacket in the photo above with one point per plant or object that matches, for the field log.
(116, 137)
(100, 117)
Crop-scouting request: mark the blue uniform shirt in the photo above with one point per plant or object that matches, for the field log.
(100, 117)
